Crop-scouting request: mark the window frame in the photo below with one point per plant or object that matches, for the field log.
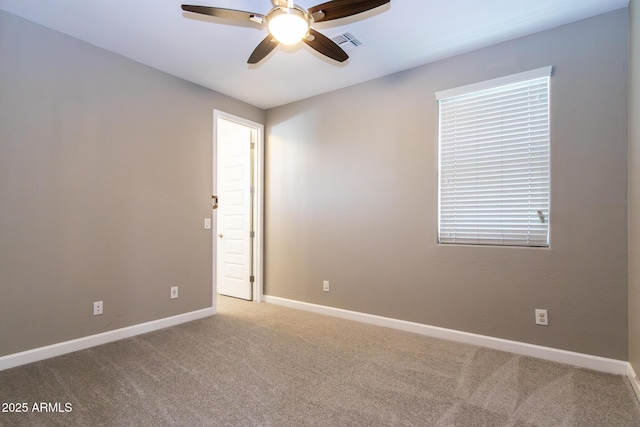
(466, 91)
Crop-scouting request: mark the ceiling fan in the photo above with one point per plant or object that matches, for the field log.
(288, 23)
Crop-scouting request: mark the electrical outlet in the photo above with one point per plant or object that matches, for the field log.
(174, 292)
(541, 317)
(97, 308)
(325, 285)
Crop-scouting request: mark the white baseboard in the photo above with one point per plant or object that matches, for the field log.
(633, 379)
(29, 356)
(595, 363)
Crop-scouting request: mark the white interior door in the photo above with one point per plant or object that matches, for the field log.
(235, 212)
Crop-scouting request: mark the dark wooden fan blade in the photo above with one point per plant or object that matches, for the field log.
(336, 9)
(264, 48)
(238, 15)
(326, 46)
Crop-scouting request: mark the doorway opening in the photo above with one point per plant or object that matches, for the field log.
(238, 159)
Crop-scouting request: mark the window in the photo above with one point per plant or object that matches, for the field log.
(494, 162)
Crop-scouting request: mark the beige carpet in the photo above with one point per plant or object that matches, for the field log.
(265, 365)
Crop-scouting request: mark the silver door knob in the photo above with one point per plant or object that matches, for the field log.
(220, 235)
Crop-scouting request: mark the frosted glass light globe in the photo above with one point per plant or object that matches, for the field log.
(288, 26)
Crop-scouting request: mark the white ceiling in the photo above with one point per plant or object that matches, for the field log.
(212, 53)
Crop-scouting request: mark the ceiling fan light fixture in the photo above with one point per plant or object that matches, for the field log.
(288, 25)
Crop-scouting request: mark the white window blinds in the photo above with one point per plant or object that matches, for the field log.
(494, 162)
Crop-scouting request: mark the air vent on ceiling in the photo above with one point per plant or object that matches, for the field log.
(347, 41)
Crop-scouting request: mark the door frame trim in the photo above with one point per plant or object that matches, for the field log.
(258, 206)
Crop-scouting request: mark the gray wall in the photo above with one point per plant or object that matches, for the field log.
(634, 186)
(352, 198)
(105, 178)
